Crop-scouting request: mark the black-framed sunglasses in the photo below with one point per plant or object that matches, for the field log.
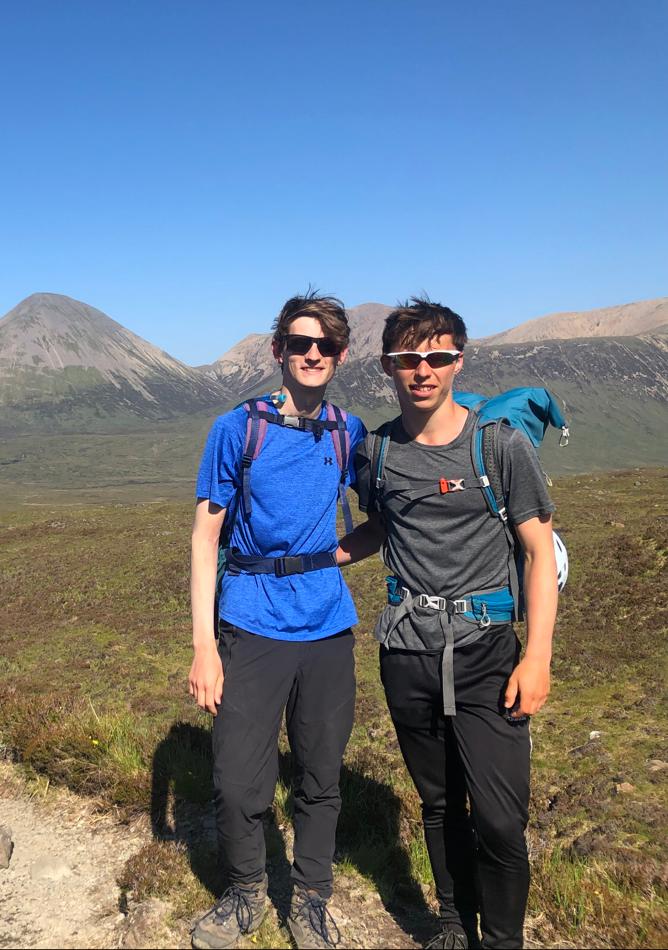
(299, 345)
(437, 359)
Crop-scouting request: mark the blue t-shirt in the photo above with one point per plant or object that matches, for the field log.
(294, 493)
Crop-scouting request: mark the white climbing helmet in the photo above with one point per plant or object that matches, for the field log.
(561, 554)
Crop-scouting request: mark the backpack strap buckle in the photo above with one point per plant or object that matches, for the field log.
(446, 485)
(459, 606)
(428, 600)
(293, 422)
(284, 566)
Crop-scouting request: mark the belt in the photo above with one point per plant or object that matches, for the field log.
(279, 566)
(483, 608)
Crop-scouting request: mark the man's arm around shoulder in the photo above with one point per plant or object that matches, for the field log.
(364, 541)
(205, 681)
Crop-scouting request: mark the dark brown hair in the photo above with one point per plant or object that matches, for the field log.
(420, 319)
(329, 311)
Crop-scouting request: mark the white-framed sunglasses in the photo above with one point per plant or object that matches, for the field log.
(437, 359)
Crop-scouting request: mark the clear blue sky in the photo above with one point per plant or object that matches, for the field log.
(186, 165)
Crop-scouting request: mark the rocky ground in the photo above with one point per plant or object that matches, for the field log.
(60, 888)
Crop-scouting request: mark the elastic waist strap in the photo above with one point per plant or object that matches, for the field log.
(280, 566)
(485, 607)
(482, 607)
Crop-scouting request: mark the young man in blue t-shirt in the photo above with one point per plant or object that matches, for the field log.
(285, 614)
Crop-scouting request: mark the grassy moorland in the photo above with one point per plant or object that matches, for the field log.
(94, 654)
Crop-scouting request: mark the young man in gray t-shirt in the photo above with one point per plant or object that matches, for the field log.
(457, 690)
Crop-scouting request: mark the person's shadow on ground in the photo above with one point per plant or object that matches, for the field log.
(368, 836)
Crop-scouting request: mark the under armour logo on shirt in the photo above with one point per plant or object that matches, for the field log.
(328, 460)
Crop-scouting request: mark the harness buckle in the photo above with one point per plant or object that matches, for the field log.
(459, 606)
(294, 422)
(446, 485)
(284, 566)
(436, 603)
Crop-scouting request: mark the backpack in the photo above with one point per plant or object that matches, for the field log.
(531, 409)
(260, 416)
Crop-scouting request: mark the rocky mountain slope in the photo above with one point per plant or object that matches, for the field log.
(614, 392)
(249, 365)
(61, 359)
(629, 319)
(611, 375)
(251, 357)
(65, 366)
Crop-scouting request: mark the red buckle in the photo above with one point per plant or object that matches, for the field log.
(450, 484)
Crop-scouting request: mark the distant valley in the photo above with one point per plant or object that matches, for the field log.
(69, 372)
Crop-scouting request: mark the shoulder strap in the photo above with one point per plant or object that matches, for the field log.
(487, 466)
(340, 436)
(256, 430)
(259, 417)
(379, 449)
(341, 443)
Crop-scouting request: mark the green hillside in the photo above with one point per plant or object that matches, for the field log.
(94, 654)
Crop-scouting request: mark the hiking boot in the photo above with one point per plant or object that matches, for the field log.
(448, 939)
(239, 911)
(311, 924)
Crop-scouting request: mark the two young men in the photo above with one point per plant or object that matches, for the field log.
(285, 642)
(457, 691)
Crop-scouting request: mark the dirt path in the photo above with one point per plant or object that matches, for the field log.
(60, 888)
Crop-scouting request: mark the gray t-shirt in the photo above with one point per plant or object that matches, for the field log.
(447, 544)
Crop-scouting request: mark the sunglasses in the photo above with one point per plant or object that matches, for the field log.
(437, 359)
(300, 345)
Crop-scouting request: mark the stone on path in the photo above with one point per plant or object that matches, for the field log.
(6, 846)
(50, 868)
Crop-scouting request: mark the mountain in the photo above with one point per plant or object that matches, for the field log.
(612, 384)
(249, 366)
(613, 391)
(630, 319)
(366, 324)
(249, 363)
(66, 364)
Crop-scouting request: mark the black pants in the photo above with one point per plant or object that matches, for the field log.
(479, 860)
(314, 682)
